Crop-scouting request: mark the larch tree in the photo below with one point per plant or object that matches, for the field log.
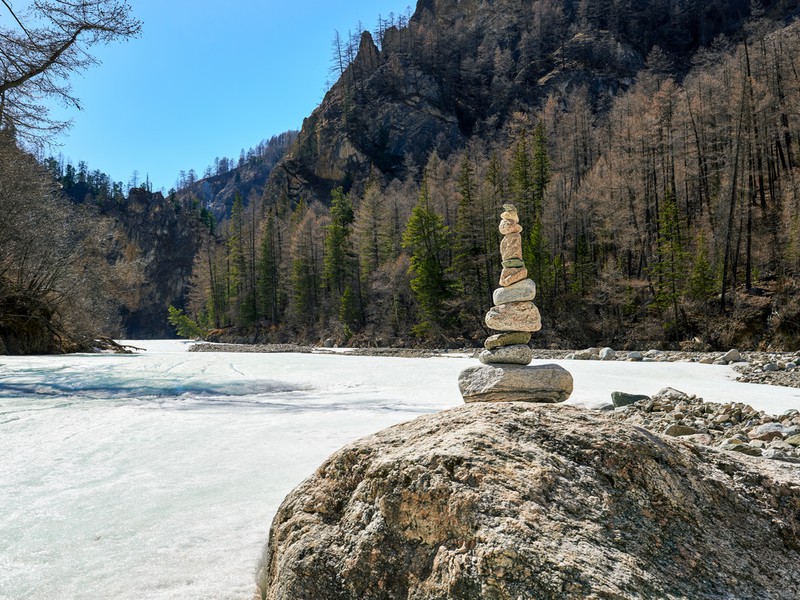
(51, 42)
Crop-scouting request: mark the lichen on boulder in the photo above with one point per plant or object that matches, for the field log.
(520, 501)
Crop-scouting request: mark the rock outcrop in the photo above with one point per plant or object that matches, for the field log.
(522, 501)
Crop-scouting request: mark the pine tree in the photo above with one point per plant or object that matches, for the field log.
(669, 270)
(338, 259)
(428, 238)
(702, 281)
(469, 255)
(269, 272)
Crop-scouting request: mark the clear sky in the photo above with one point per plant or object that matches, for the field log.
(206, 79)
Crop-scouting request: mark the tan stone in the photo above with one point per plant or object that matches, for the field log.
(511, 246)
(511, 276)
(510, 215)
(507, 227)
(514, 316)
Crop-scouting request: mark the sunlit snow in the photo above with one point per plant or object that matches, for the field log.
(155, 475)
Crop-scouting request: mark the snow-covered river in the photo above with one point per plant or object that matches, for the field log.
(155, 475)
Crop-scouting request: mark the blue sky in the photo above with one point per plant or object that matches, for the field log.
(206, 79)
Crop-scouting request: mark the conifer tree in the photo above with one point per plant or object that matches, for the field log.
(427, 238)
(669, 270)
(337, 265)
(269, 271)
(469, 256)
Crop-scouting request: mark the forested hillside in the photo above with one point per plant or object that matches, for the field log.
(652, 149)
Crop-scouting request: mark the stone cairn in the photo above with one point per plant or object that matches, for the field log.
(505, 375)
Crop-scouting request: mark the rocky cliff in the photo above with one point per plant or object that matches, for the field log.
(460, 69)
(161, 237)
(520, 501)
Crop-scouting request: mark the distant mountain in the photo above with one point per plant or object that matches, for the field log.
(461, 68)
(217, 192)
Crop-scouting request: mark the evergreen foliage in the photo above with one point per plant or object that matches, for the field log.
(185, 326)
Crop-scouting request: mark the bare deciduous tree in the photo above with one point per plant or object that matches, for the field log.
(45, 46)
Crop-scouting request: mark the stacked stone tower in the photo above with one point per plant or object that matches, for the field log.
(506, 375)
(513, 313)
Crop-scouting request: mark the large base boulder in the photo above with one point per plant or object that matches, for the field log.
(514, 383)
(521, 501)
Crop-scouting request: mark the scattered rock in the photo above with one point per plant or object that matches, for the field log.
(607, 354)
(732, 355)
(635, 356)
(620, 399)
(680, 430)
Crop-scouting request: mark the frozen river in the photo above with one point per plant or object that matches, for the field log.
(155, 475)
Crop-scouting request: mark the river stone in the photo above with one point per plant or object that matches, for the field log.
(623, 399)
(768, 432)
(514, 383)
(676, 430)
(511, 246)
(510, 276)
(507, 227)
(514, 316)
(507, 339)
(794, 440)
(732, 355)
(513, 263)
(516, 292)
(518, 354)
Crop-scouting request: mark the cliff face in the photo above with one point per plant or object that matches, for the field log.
(462, 68)
(160, 237)
(520, 501)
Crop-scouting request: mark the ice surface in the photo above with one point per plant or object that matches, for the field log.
(156, 475)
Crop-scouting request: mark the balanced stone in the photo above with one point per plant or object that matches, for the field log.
(516, 292)
(510, 213)
(515, 383)
(511, 246)
(507, 227)
(510, 338)
(513, 263)
(514, 316)
(512, 275)
(518, 354)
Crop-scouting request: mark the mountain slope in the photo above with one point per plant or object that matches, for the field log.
(462, 68)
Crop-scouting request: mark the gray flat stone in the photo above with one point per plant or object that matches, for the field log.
(623, 399)
(514, 383)
(510, 338)
(518, 354)
(521, 291)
